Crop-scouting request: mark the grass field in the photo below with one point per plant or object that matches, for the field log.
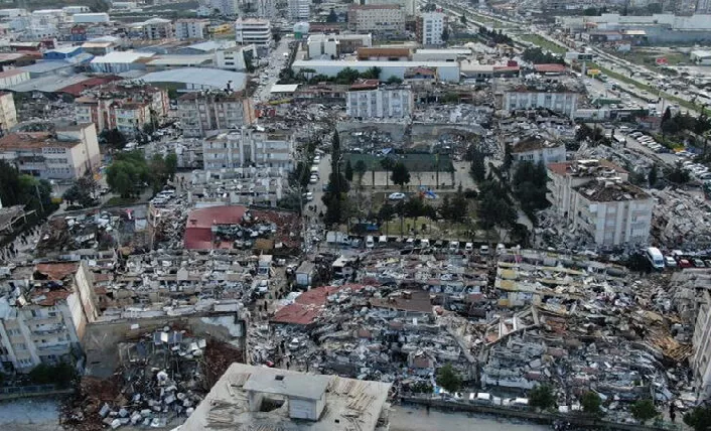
(543, 43)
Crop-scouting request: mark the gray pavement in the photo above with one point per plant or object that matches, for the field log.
(415, 419)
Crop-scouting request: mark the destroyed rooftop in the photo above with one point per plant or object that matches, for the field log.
(38, 140)
(540, 85)
(533, 143)
(350, 404)
(611, 189)
(586, 168)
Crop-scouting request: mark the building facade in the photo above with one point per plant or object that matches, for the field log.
(299, 9)
(226, 7)
(377, 18)
(126, 106)
(191, 28)
(43, 325)
(200, 113)
(538, 150)
(594, 197)
(253, 31)
(67, 153)
(247, 147)
(158, 28)
(368, 99)
(563, 102)
(8, 114)
(430, 26)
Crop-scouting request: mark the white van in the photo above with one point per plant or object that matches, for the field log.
(655, 257)
(453, 246)
(425, 243)
(468, 247)
(369, 242)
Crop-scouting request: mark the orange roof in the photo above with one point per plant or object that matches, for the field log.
(365, 84)
(57, 271)
(12, 72)
(550, 68)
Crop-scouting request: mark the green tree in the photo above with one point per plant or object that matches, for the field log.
(401, 175)
(445, 34)
(372, 73)
(542, 397)
(463, 19)
(508, 158)
(477, 168)
(81, 191)
(349, 171)
(699, 418)
(360, 170)
(332, 16)
(591, 403)
(494, 209)
(644, 410)
(448, 378)
(387, 164)
(667, 115)
(677, 175)
(653, 176)
(584, 132)
(394, 80)
(386, 214)
(529, 184)
(113, 138)
(171, 165)
(128, 174)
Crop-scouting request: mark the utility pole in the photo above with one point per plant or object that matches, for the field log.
(39, 198)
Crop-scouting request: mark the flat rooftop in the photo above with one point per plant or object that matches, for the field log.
(350, 404)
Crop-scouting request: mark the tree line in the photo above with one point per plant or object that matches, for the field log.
(130, 173)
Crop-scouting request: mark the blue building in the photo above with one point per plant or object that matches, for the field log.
(65, 53)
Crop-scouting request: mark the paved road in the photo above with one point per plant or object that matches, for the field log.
(276, 64)
(413, 419)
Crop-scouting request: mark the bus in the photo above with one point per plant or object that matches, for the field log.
(655, 257)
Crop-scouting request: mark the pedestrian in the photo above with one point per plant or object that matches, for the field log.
(428, 409)
(672, 412)
(287, 365)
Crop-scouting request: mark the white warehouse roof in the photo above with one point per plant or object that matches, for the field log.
(199, 76)
(122, 57)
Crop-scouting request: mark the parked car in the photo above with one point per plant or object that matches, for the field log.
(397, 196)
(684, 263)
(670, 262)
(699, 263)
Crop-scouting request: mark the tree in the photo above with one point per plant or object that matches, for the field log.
(332, 16)
(401, 175)
(677, 175)
(429, 7)
(448, 378)
(114, 139)
(584, 132)
(699, 418)
(128, 174)
(542, 397)
(463, 20)
(171, 165)
(529, 185)
(81, 191)
(643, 410)
(360, 170)
(477, 168)
(667, 115)
(445, 34)
(591, 403)
(386, 214)
(653, 175)
(349, 171)
(387, 164)
(372, 73)
(394, 80)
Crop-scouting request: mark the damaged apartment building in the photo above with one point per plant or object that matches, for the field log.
(594, 198)
(558, 94)
(44, 310)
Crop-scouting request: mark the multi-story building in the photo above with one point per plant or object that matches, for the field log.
(594, 197)
(410, 6)
(8, 115)
(201, 112)
(226, 7)
(248, 147)
(191, 28)
(536, 149)
(557, 94)
(68, 152)
(44, 310)
(253, 31)
(266, 9)
(333, 45)
(430, 26)
(235, 58)
(701, 355)
(125, 106)
(369, 99)
(299, 9)
(158, 28)
(377, 18)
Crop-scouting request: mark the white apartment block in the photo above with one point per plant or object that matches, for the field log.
(200, 113)
(537, 150)
(376, 18)
(367, 99)
(299, 9)
(432, 25)
(246, 147)
(67, 153)
(701, 353)
(235, 58)
(253, 31)
(158, 28)
(226, 7)
(8, 114)
(266, 9)
(40, 323)
(191, 28)
(410, 6)
(594, 197)
(565, 102)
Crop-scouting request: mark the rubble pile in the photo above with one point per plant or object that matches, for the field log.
(681, 219)
(162, 376)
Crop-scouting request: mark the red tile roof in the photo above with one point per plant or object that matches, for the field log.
(550, 68)
(76, 89)
(309, 305)
(57, 271)
(198, 228)
(12, 72)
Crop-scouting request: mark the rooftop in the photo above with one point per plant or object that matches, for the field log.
(584, 168)
(33, 141)
(200, 76)
(413, 162)
(122, 57)
(350, 404)
(611, 189)
(533, 143)
(10, 73)
(549, 68)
